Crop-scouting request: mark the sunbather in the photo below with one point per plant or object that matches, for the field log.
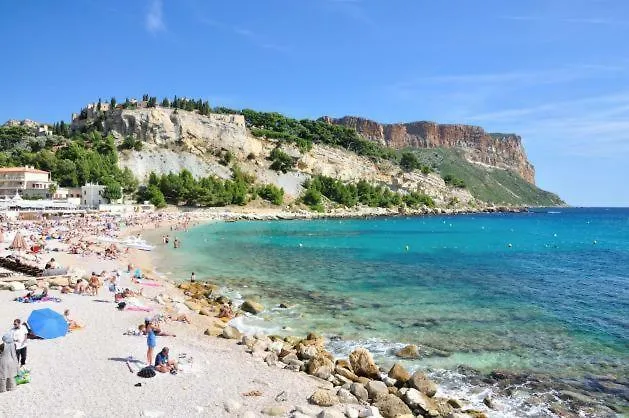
(163, 364)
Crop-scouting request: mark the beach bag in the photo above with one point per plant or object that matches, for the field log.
(23, 376)
(147, 372)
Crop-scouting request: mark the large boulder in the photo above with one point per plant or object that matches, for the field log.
(363, 364)
(417, 400)
(306, 352)
(321, 366)
(399, 373)
(409, 352)
(252, 307)
(390, 406)
(346, 373)
(16, 286)
(323, 397)
(421, 382)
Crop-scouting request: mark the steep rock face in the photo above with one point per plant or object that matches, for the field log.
(503, 151)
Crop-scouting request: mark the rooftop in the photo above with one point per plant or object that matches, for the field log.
(21, 170)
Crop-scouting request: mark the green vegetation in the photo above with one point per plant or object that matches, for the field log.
(410, 162)
(492, 186)
(183, 188)
(281, 161)
(348, 194)
(454, 181)
(272, 193)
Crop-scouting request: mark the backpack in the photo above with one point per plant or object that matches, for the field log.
(147, 372)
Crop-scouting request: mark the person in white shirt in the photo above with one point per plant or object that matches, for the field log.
(20, 336)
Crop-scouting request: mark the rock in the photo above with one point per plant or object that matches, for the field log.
(331, 413)
(442, 407)
(455, 403)
(306, 352)
(260, 345)
(346, 373)
(276, 347)
(292, 340)
(274, 411)
(192, 305)
(359, 391)
(421, 382)
(390, 406)
(322, 397)
(231, 406)
(409, 352)
(370, 411)
(252, 307)
(205, 312)
(345, 396)
(389, 381)
(351, 412)
(213, 331)
(363, 364)
(488, 402)
(376, 388)
(271, 359)
(248, 341)
(60, 281)
(306, 410)
(321, 367)
(576, 397)
(417, 400)
(231, 333)
(16, 286)
(289, 357)
(399, 373)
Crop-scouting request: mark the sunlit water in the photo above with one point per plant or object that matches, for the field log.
(538, 292)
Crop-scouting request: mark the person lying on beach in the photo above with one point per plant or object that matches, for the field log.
(226, 312)
(180, 317)
(163, 364)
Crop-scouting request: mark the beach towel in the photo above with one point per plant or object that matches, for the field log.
(31, 300)
(148, 283)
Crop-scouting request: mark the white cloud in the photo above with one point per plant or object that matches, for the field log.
(155, 18)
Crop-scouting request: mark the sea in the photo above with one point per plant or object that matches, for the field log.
(541, 296)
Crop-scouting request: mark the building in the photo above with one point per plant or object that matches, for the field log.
(92, 195)
(27, 182)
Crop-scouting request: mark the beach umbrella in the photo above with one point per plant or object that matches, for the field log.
(47, 324)
(18, 242)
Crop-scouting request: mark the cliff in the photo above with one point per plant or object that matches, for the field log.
(503, 151)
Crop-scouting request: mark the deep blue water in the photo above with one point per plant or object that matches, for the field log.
(540, 291)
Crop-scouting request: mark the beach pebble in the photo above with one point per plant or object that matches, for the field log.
(370, 411)
(231, 406)
(322, 397)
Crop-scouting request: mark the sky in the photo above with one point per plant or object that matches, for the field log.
(555, 72)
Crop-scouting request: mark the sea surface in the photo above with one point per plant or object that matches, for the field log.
(544, 292)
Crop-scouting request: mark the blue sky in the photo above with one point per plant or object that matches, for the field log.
(554, 71)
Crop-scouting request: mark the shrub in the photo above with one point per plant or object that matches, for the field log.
(271, 193)
(281, 161)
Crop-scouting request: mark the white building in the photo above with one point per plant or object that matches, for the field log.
(24, 181)
(92, 195)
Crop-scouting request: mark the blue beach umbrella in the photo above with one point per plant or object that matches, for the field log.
(47, 324)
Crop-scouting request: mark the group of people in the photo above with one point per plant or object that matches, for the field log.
(162, 363)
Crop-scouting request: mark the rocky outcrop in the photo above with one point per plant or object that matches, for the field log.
(494, 149)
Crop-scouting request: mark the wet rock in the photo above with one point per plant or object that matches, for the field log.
(409, 352)
(399, 373)
(455, 403)
(252, 307)
(421, 382)
(576, 397)
(271, 359)
(390, 406)
(320, 366)
(359, 391)
(323, 397)
(231, 333)
(362, 363)
(376, 388)
(274, 411)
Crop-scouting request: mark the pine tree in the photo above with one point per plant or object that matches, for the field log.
(112, 103)
(165, 102)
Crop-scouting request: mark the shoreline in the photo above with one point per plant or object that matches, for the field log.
(258, 349)
(502, 379)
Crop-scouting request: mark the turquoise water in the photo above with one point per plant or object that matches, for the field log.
(536, 292)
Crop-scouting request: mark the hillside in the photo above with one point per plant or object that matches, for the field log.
(196, 155)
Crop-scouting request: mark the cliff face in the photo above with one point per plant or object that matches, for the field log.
(498, 150)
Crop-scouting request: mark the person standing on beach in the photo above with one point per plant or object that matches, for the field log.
(192, 278)
(151, 341)
(20, 335)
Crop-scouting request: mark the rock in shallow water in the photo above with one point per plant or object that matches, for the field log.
(409, 352)
(252, 307)
(399, 373)
(421, 382)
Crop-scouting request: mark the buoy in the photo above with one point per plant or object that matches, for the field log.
(509, 245)
(595, 242)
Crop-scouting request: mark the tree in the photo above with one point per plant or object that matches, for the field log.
(112, 103)
(281, 161)
(113, 191)
(409, 161)
(165, 102)
(52, 189)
